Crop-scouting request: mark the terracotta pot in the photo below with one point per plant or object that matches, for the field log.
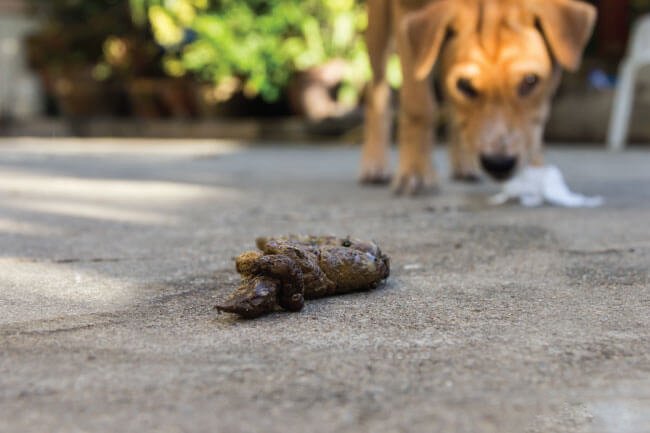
(210, 102)
(162, 97)
(312, 93)
(77, 94)
(207, 101)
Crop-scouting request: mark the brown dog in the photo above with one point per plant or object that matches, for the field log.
(499, 63)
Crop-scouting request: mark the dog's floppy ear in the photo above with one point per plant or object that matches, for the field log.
(425, 32)
(567, 26)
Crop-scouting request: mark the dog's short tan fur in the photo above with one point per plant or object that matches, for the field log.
(509, 51)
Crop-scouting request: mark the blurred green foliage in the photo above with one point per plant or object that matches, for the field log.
(641, 5)
(256, 45)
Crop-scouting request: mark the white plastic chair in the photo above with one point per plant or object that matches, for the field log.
(638, 55)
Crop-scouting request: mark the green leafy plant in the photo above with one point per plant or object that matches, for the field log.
(257, 45)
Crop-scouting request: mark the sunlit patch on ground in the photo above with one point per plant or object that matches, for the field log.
(624, 408)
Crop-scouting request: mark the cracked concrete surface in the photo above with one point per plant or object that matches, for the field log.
(494, 319)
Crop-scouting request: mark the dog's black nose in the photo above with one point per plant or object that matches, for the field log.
(499, 167)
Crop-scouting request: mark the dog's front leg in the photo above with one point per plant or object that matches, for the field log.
(463, 157)
(374, 153)
(415, 173)
(377, 128)
(536, 146)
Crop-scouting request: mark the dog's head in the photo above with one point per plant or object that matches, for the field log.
(500, 62)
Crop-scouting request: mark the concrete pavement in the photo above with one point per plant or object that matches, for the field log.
(494, 319)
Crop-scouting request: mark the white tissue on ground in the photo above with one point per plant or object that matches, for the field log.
(534, 186)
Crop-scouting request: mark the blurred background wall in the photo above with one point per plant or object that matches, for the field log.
(20, 92)
(237, 68)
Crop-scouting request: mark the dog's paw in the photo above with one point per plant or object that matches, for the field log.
(374, 174)
(468, 177)
(410, 183)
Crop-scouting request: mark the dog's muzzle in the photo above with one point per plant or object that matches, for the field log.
(499, 167)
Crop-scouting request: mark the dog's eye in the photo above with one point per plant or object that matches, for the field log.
(466, 87)
(528, 84)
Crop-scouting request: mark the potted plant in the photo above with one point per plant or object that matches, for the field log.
(67, 52)
(308, 51)
(94, 60)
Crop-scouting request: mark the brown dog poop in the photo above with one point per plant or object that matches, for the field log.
(287, 270)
